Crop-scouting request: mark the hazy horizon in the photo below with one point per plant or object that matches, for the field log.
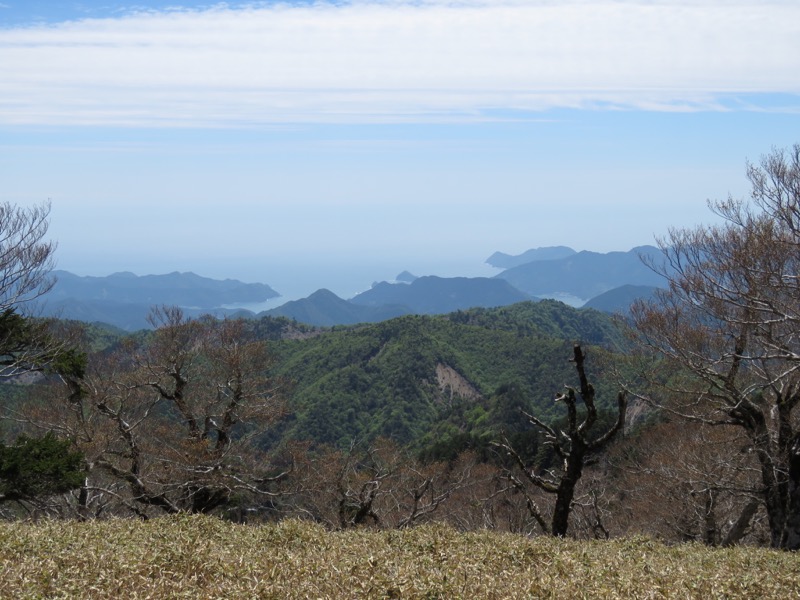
(332, 144)
(295, 281)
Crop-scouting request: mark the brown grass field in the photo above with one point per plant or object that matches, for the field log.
(203, 557)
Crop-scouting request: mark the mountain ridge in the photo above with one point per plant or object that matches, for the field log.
(179, 288)
(586, 274)
(124, 299)
(324, 308)
(438, 295)
(501, 260)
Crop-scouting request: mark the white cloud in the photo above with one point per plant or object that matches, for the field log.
(389, 61)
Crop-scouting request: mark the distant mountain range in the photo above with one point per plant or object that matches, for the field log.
(437, 295)
(585, 274)
(507, 261)
(620, 299)
(608, 281)
(324, 308)
(424, 295)
(125, 299)
(181, 289)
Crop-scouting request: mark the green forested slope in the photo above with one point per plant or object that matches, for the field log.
(546, 318)
(428, 379)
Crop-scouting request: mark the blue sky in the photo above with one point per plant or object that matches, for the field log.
(319, 144)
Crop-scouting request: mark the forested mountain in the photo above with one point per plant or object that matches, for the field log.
(324, 308)
(438, 295)
(180, 289)
(620, 299)
(586, 274)
(124, 299)
(548, 318)
(127, 316)
(424, 380)
(421, 295)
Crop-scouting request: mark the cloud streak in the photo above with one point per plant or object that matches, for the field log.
(396, 61)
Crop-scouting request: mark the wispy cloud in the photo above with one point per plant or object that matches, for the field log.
(368, 61)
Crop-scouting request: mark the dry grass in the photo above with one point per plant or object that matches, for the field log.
(202, 557)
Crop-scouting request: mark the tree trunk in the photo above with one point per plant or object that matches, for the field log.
(83, 501)
(791, 539)
(774, 490)
(710, 520)
(566, 489)
(742, 524)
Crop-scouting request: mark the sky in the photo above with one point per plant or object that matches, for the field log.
(334, 144)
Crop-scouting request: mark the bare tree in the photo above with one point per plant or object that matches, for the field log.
(572, 446)
(26, 262)
(685, 481)
(26, 258)
(378, 485)
(725, 335)
(171, 423)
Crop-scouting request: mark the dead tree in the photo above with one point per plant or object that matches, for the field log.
(572, 446)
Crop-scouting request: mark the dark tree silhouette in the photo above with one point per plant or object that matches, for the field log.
(572, 446)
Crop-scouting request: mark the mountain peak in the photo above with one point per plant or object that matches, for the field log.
(324, 294)
(405, 277)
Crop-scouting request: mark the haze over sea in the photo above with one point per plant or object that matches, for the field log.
(301, 280)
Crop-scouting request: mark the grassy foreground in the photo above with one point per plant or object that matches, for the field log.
(202, 557)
